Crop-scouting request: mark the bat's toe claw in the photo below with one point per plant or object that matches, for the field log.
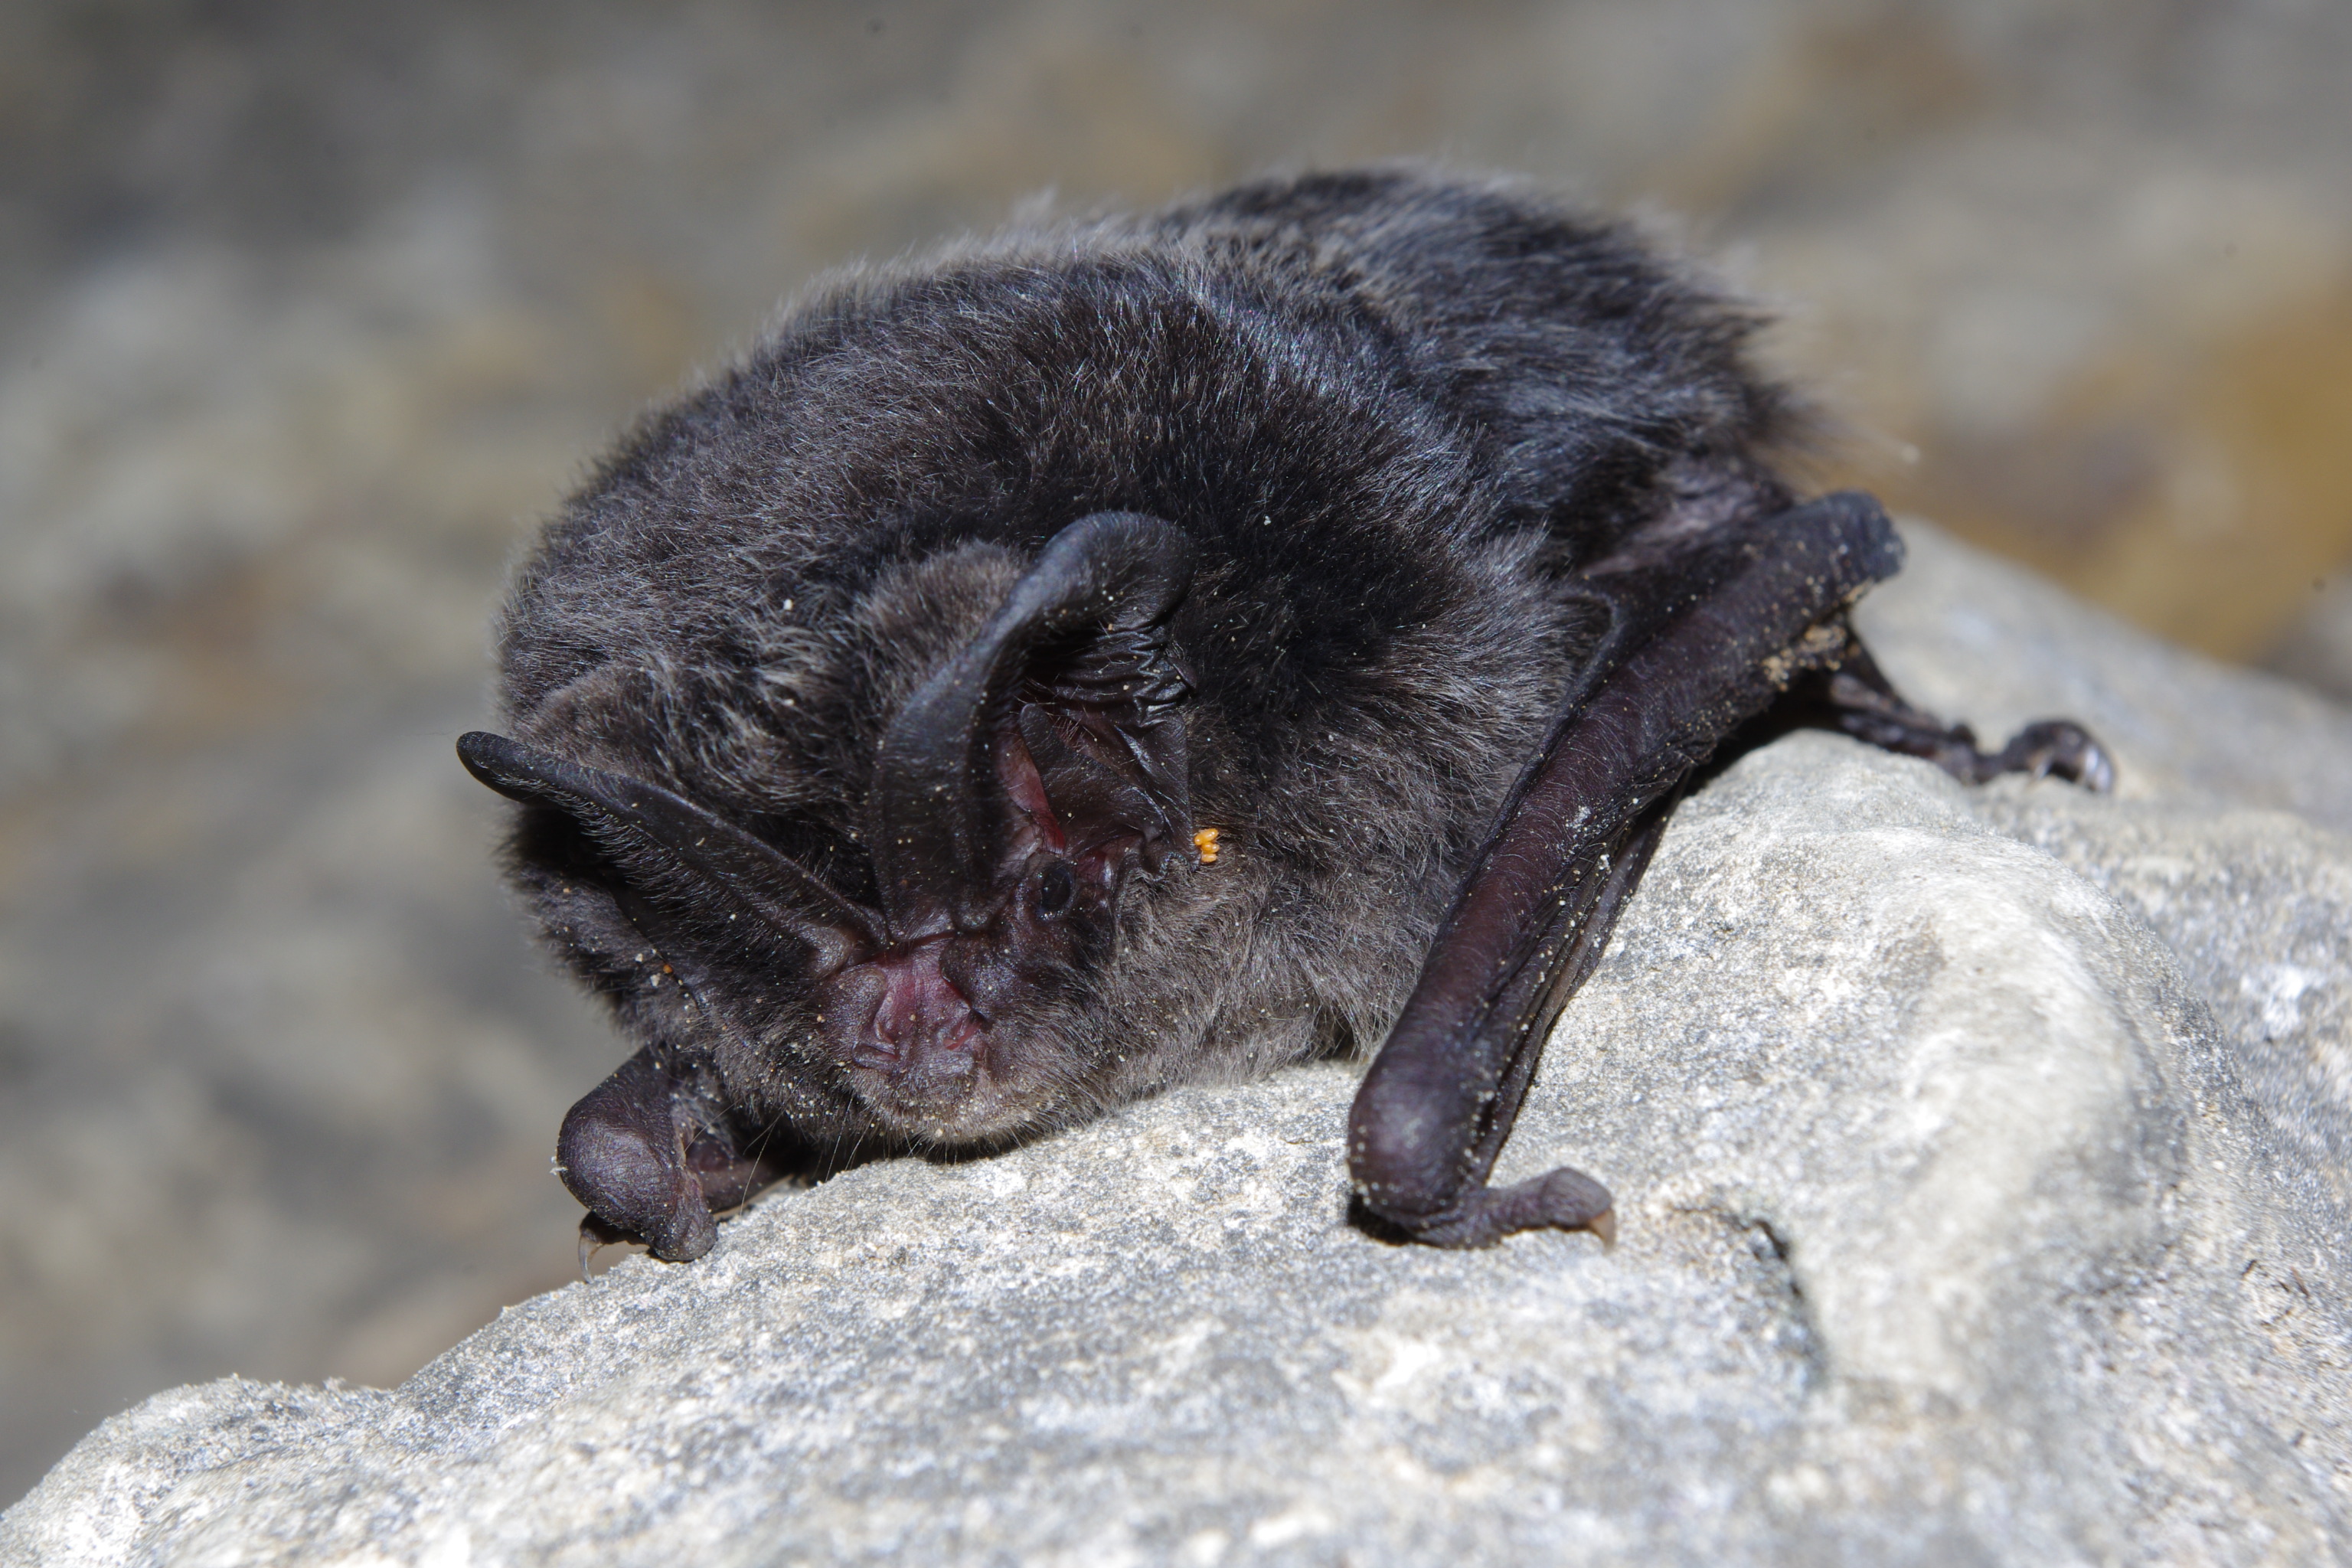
(2057, 746)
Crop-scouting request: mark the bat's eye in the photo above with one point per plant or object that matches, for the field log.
(1055, 887)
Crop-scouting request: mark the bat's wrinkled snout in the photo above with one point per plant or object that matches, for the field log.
(916, 1052)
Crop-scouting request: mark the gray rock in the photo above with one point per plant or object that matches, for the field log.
(2317, 647)
(307, 311)
(1979, 1162)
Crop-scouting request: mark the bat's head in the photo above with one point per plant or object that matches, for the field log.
(924, 978)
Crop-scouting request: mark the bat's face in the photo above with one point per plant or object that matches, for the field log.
(930, 975)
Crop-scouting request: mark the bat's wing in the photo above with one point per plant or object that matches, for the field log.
(1705, 635)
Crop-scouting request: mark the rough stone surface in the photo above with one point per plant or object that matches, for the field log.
(1979, 1156)
(307, 311)
(2317, 647)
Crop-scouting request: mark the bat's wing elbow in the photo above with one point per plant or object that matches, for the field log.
(621, 1155)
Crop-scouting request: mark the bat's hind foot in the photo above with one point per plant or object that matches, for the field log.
(2059, 747)
(1855, 697)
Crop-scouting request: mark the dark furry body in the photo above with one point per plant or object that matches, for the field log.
(1398, 418)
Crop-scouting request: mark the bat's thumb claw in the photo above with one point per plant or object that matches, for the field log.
(594, 1237)
(1566, 1199)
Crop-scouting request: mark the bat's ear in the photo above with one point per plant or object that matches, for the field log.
(1058, 727)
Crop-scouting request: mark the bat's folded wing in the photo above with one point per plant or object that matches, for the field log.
(1693, 654)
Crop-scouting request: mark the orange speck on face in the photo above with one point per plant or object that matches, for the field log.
(1205, 841)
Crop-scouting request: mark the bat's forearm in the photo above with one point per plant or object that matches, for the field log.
(1530, 921)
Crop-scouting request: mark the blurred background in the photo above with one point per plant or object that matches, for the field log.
(309, 312)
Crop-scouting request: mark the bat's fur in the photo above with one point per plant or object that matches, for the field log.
(1389, 409)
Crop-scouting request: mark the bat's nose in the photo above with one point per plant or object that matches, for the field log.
(921, 1034)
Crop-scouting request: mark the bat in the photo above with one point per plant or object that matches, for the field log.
(1155, 649)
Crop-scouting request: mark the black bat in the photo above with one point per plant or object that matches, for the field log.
(1133, 651)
